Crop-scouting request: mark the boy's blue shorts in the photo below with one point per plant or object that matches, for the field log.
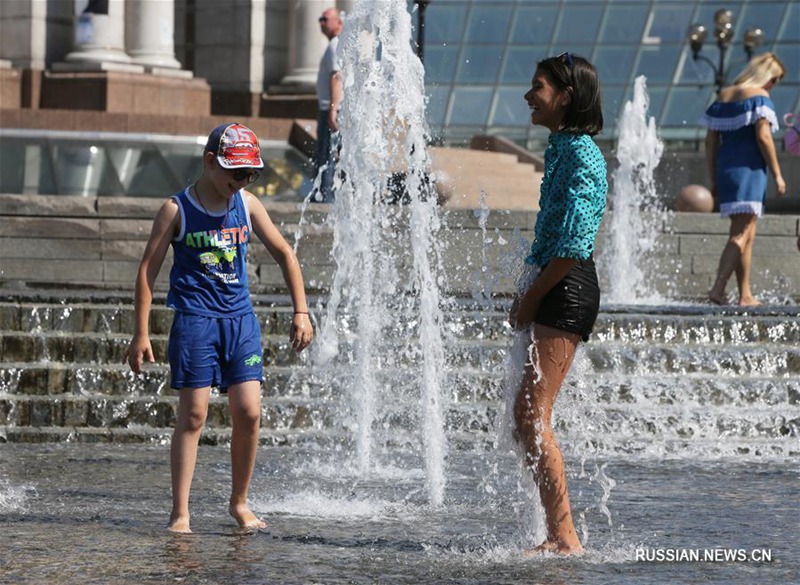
(214, 351)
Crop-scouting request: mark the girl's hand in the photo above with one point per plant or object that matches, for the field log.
(301, 332)
(526, 313)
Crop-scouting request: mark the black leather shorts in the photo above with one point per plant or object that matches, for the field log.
(572, 305)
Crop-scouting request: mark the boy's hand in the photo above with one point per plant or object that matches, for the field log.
(300, 332)
(138, 350)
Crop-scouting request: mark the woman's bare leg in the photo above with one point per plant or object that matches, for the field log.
(541, 383)
(746, 298)
(244, 400)
(732, 256)
(192, 410)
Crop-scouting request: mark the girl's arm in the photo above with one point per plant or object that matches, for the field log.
(301, 332)
(165, 226)
(767, 147)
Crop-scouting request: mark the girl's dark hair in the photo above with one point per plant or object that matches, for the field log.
(584, 113)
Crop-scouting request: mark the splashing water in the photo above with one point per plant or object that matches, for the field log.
(635, 216)
(380, 336)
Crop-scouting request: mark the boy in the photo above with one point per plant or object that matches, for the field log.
(215, 337)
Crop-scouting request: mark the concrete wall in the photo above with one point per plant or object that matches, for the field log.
(86, 242)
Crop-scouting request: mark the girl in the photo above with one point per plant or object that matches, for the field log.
(559, 296)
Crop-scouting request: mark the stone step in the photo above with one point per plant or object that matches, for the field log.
(158, 435)
(461, 386)
(685, 325)
(703, 327)
(154, 411)
(105, 318)
(102, 348)
(463, 157)
(645, 358)
(660, 422)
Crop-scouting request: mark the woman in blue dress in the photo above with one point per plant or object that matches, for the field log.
(739, 149)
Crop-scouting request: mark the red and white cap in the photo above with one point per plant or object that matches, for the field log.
(236, 146)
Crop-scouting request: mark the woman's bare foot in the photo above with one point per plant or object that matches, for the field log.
(179, 525)
(717, 298)
(749, 302)
(555, 547)
(246, 519)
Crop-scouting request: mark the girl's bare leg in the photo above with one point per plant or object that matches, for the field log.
(541, 383)
(192, 410)
(244, 400)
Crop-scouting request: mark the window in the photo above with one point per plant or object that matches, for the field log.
(624, 23)
(488, 24)
(470, 106)
(579, 24)
(480, 64)
(510, 109)
(534, 25)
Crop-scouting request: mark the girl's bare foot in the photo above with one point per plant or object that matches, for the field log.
(246, 519)
(555, 547)
(179, 525)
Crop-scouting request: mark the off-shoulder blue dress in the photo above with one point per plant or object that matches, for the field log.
(741, 168)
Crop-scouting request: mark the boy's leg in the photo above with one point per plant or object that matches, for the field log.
(192, 410)
(244, 400)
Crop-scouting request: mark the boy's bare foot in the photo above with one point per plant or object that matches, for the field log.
(246, 519)
(179, 525)
(555, 547)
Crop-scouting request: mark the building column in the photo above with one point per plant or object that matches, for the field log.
(345, 5)
(306, 43)
(99, 38)
(150, 36)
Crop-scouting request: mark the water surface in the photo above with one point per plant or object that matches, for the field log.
(83, 513)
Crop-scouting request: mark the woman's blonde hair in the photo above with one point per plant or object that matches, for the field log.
(761, 70)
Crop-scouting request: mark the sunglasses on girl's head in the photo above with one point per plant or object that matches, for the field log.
(241, 174)
(567, 56)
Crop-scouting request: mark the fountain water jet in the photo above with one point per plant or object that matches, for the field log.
(634, 221)
(380, 335)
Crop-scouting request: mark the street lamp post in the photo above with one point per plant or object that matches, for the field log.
(421, 6)
(723, 34)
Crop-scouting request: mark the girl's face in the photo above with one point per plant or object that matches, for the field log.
(547, 103)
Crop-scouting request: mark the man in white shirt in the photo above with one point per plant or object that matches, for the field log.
(329, 97)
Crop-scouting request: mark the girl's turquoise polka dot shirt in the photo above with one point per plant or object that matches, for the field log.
(572, 200)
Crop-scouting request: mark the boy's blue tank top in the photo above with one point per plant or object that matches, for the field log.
(209, 270)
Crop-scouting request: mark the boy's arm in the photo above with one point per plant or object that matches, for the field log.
(165, 226)
(301, 332)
